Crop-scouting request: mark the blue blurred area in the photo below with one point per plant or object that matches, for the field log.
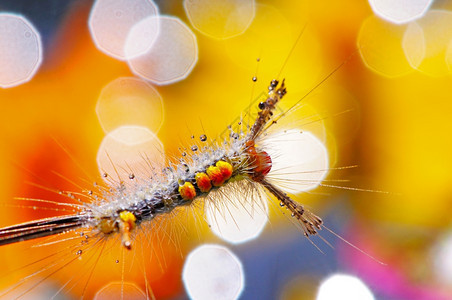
(274, 259)
(272, 262)
(45, 15)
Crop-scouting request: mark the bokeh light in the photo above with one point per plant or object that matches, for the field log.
(213, 272)
(45, 290)
(20, 50)
(400, 11)
(112, 23)
(380, 46)
(449, 56)
(385, 129)
(141, 37)
(129, 150)
(434, 33)
(127, 290)
(344, 287)
(413, 44)
(129, 101)
(218, 18)
(172, 57)
(441, 256)
(299, 160)
(239, 217)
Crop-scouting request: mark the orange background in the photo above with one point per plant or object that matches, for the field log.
(398, 130)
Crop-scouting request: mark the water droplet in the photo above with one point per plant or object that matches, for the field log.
(117, 261)
(254, 78)
(184, 153)
(281, 204)
(192, 137)
(104, 174)
(167, 170)
(194, 148)
(131, 176)
(203, 137)
(185, 168)
(79, 252)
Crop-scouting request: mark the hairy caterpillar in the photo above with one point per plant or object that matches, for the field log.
(123, 209)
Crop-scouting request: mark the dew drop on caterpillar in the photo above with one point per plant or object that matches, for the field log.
(130, 231)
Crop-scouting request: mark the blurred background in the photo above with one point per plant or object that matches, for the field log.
(69, 85)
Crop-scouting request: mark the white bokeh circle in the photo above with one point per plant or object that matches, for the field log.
(129, 101)
(400, 11)
(239, 212)
(220, 19)
(299, 160)
(344, 287)
(111, 24)
(129, 150)
(426, 42)
(213, 272)
(20, 50)
(172, 56)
